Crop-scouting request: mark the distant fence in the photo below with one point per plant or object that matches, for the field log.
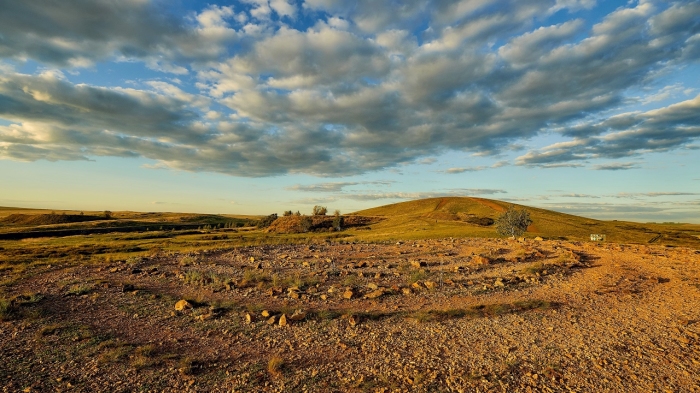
(597, 238)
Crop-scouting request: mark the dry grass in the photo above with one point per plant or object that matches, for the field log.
(275, 366)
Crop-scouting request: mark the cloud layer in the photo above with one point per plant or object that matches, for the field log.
(325, 88)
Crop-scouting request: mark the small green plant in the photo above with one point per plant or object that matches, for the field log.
(143, 357)
(8, 310)
(80, 289)
(417, 275)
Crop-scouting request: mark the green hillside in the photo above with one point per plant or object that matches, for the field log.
(450, 217)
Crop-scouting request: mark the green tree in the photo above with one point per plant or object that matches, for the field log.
(513, 222)
(320, 211)
(288, 213)
(267, 221)
(306, 224)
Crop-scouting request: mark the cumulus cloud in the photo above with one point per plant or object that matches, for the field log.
(629, 134)
(359, 90)
(81, 32)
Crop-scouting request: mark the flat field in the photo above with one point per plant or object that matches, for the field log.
(360, 310)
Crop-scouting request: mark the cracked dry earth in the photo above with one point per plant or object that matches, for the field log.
(450, 315)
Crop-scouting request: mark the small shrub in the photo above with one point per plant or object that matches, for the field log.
(319, 211)
(8, 311)
(80, 289)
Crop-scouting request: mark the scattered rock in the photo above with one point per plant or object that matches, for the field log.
(418, 264)
(539, 239)
(349, 294)
(249, 318)
(183, 305)
(298, 315)
(283, 320)
(265, 314)
(127, 288)
(430, 284)
(272, 320)
(375, 294)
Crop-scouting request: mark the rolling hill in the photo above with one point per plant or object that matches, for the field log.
(466, 216)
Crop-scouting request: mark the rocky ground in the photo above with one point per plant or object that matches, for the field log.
(452, 315)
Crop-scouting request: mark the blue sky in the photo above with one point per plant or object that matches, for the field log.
(259, 106)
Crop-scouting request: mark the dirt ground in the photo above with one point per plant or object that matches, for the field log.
(448, 315)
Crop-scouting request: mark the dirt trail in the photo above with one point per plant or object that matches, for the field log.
(490, 204)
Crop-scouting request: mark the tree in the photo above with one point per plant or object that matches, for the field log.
(338, 221)
(513, 222)
(306, 224)
(288, 213)
(267, 221)
(320, 211)
(108, 214)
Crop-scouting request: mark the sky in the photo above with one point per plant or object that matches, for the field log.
(260, 106)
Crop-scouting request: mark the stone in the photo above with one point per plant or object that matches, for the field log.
(372, 286)
(539, 239)
(499, 283)
(375, 294)
(430, 284)
(417, 285)
(283, 320)
(418, 264)
(324, 297)
(480, 260)
(353, 320)
(265, 313)
(252, 259)
(183, 305)
(249, 318)
(298, 315)
(348, 294)
(406, 291)
(272, 320)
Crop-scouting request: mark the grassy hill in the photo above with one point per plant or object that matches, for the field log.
(457, 217)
